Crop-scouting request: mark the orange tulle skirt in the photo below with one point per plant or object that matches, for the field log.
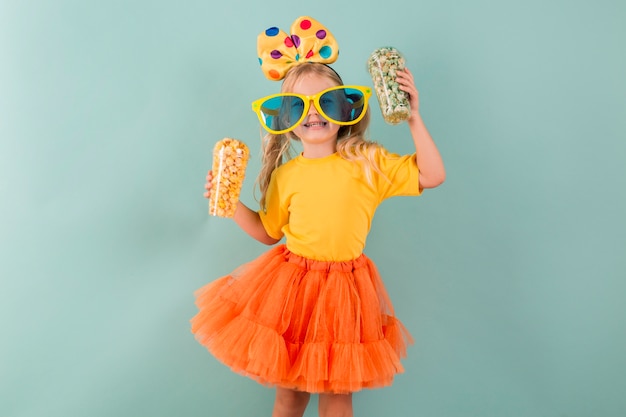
(314, 326)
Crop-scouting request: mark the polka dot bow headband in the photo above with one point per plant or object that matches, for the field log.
(309, 42)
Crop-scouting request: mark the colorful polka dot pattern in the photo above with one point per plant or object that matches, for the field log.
(309, 42)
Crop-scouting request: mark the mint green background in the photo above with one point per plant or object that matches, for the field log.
(511, 276)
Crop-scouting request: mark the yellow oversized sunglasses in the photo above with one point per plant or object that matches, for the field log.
(342, 105)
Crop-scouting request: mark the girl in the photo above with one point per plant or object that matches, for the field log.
(312, 315)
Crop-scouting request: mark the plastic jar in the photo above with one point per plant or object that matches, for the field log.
(382, 66)
(230, 158)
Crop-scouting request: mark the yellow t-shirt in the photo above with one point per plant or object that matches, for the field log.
(324, 206)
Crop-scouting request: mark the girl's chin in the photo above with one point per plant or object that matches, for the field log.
(317, 135)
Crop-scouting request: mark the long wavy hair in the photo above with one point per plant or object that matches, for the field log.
(351, 140)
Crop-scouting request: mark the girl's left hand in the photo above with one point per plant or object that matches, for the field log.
(407, 84)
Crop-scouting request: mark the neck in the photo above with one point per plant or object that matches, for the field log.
(319, 151)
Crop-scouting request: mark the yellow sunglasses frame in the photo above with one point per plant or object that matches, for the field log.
(259, 110)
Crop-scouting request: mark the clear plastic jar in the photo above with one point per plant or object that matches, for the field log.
(382, 65)
(230, 158)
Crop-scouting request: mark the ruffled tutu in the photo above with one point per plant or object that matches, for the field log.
(314, 326)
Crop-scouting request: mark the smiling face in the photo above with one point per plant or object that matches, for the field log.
(318, 136)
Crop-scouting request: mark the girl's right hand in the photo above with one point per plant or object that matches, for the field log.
(207, 185)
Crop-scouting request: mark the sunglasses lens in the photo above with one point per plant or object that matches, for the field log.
(342, 104)
(283, 112)
(294, 107)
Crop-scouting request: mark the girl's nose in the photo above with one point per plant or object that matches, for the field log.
(312, 108)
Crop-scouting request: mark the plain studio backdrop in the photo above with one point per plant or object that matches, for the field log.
(511, 276)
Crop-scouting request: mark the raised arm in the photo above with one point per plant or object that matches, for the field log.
(429, 161)
(248, 219)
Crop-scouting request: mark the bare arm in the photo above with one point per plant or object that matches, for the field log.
(429, 161)
(248, 219)
(250, 222)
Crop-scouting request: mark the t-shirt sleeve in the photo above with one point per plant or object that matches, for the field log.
(400, 175)
(277, 214)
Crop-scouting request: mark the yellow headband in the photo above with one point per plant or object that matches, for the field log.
(309, 42)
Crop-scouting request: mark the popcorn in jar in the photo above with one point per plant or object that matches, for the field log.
(382, 65)
(230, 158)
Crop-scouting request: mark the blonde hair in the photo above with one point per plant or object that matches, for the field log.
(351, 142)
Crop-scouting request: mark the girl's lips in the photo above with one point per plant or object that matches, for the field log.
(315, 124)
